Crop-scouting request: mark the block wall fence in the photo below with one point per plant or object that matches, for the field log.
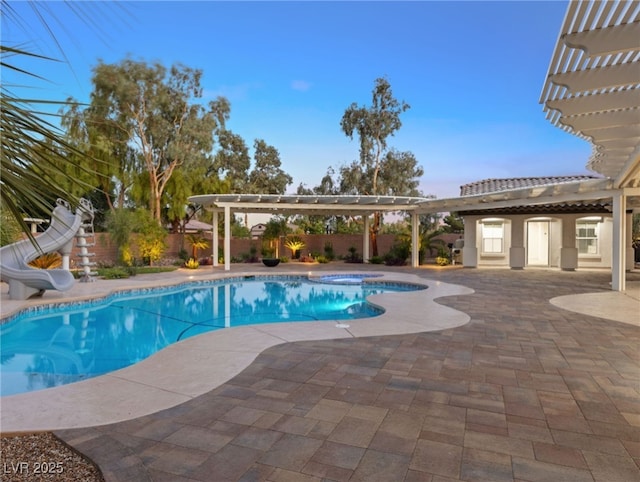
(107, 252)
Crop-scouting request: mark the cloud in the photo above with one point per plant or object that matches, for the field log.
(300, 85)
(232, 92)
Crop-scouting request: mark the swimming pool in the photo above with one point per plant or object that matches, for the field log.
(60, 344)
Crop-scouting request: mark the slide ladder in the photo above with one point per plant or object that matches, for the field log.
(85, 239)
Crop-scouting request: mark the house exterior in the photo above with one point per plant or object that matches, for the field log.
(591, 90)
(565, 235)
(257, 230)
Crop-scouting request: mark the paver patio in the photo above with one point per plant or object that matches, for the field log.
(525, 391)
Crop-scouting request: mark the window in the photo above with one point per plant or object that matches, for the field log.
(587, 237)
(492, 237)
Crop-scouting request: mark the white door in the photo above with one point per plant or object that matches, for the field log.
(538, 243)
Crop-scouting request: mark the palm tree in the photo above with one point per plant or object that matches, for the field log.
(35, 160)
(197, 242)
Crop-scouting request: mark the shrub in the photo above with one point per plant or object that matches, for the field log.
(353, 256)
(442, 261)
(284, 259)
(398, 254)
(328, 251)
(322, 259)
(192, 264)
(376, 260)
(113, 273)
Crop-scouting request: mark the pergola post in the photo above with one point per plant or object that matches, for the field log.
(365, 243)
(227, 238)
(415, 240)
(215, 240)
(618, 262)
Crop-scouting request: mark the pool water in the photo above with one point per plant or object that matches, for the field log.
(63, 344)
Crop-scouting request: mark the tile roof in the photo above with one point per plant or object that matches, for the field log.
(487, 186)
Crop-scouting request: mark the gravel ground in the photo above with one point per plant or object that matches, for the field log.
(42, 456)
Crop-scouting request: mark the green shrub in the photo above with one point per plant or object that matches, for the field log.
(376, 260)
(116, 272)
(284, 259)
(353, 256)
(322, 259)
(328, 251)
(398, 254)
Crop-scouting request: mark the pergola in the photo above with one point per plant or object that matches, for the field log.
(310, 205)
(592, 90)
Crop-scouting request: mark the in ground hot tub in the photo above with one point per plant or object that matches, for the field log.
(345, 279)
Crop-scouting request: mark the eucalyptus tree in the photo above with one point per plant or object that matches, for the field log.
(153, 109)
(379, 170)
(267, 177)
(232, 161)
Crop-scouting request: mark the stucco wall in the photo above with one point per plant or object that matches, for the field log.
(556, 222)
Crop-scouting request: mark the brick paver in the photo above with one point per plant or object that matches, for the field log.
(525, 391)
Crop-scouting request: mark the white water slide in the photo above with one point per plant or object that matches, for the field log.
(25, 281)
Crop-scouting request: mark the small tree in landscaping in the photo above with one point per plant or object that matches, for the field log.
(295, 244)
(197, 241)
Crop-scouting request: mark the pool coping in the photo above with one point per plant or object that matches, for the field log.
(199, 364)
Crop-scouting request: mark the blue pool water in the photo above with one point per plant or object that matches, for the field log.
(56, 345)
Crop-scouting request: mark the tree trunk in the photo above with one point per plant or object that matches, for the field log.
(373, 232)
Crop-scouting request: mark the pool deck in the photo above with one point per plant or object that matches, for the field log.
(488, 374)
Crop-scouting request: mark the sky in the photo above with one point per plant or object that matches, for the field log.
(472, 73)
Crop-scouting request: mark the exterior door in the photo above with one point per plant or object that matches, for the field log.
(538, 243)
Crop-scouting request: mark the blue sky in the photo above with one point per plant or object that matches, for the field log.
(471, 71)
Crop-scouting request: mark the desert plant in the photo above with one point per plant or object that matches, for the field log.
(376, 260)
(197, 241)
(295, 244)
(47, 261)
(322, 259)
(192, 264)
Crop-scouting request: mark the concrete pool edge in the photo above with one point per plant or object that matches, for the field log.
(197, 365)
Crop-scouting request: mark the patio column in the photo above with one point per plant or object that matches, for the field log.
(470, 251)
(415, 240)
(630, 256)
(516, 251)
(215, 241)
(618, 245)
(227, 238)
(568, 251)
(365, 243)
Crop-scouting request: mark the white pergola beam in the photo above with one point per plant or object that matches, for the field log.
(606, 77)
(587, 104)
(617, 118)
(605, 41)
